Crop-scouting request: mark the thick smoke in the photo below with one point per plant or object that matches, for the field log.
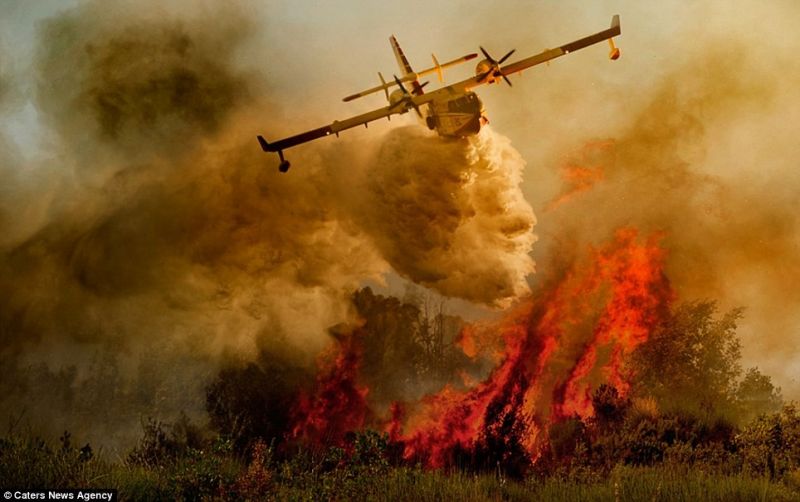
(157, 240)
(10, 158)
(160, 242)
(165, 205)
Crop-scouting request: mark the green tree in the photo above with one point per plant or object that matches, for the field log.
(251, 402)
(691, 362)
(757, 395)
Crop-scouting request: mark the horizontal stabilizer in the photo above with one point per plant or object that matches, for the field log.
(411, 76)
(437, 68)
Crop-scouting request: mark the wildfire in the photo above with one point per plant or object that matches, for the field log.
(556, 348)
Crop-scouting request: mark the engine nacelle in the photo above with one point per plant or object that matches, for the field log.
(396, 96)
(486, 67)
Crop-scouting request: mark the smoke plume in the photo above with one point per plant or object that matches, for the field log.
(157, 242)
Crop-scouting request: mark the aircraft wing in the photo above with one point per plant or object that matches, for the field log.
(548, 55)
(517, 67)
(334, 128)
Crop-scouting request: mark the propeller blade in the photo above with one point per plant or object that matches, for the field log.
(400, 85)
(486, 55)
(507, 80)
(416, 108)
(506, 56)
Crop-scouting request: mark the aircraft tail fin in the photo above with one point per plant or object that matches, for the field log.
(405, 67)
(402, 61)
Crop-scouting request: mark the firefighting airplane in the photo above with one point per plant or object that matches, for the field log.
(453, 111)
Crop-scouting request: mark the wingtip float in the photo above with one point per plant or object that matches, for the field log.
(453, 110)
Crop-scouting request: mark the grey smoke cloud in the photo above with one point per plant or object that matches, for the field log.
(152, 225)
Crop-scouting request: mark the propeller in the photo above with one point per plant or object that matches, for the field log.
(407, 98)
(496, 64)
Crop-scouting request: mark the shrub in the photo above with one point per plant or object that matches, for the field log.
(30, 462)
(163, 443)
(770, 445)
(256, 481)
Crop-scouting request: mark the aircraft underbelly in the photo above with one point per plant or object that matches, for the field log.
(458, 124)
(459, 115)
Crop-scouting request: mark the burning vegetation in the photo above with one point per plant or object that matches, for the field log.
(600, 365)
(152, 267)
(588, 350)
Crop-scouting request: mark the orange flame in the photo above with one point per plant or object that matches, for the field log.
(557, 348)
(583, 170)
(338, 403)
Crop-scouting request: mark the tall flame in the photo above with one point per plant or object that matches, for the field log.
(338, 403)
(557, 349)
